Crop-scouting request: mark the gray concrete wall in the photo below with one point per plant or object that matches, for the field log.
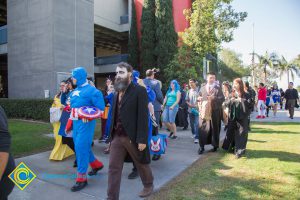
(108, 12)
(45, 39)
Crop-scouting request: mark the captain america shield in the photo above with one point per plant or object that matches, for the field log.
(89, 112)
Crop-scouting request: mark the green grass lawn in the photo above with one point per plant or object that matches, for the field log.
(270, 170)
(29, 137)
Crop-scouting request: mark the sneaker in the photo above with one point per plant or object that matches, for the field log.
(196, 141)
(258, 117)
(263, 117)
(101, 140)
(193, 136)
(173, 137)
(133, 175)
(146, 192)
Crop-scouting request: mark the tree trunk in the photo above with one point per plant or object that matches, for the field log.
(265, 71)
(288, 76)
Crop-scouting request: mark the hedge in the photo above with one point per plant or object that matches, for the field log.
(34, 109)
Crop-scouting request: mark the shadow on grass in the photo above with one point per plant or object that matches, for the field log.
(268, 131)
(213, 182)
(258, 141)
(280, 155)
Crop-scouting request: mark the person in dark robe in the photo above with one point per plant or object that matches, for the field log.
(238, 126)
(182, 115)
(212, 97)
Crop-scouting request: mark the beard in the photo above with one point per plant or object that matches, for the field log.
(121, 84)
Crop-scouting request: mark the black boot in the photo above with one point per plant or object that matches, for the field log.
(134, 174)
(79, 186)
(75, 164)
(155, 157)
(93, 172)
(201, 150)
(214, 149)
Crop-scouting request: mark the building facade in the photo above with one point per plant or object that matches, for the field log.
(41, 41)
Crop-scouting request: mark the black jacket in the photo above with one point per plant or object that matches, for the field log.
(6, 185)
(134, 117)
(291, 94)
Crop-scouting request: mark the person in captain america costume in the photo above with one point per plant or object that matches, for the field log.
(83, 128)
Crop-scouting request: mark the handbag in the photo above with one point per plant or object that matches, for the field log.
(55, 114)
(158, 144)
(194, 112)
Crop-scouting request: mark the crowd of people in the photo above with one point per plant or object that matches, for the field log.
(272, 98)
(133, 110)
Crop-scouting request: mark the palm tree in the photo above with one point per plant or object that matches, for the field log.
(292, 68)
(264, 61)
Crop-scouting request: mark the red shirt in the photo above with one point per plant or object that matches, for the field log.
(262, 94)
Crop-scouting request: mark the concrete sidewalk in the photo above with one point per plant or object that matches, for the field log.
(281, 116)
(54, 179)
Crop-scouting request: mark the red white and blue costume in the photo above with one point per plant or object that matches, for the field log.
(83, 133)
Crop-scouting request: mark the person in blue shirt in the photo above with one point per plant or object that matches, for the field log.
(276, 96)
(83, 129)
(170, 107)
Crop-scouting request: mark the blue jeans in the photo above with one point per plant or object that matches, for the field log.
(170, 115)
(194, 122)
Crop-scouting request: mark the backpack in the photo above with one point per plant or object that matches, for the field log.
(158, 144)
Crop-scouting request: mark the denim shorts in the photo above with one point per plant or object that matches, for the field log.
(169, 116)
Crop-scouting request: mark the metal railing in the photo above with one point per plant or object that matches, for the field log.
(107, 60)
(3, 34)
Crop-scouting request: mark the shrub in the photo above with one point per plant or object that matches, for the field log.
(34, 109)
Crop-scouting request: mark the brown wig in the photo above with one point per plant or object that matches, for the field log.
(241, 86)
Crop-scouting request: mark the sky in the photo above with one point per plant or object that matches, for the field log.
(276, 29)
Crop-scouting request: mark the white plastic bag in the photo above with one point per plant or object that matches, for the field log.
(55, 114)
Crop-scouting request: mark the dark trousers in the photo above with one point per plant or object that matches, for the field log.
(119, 148)
(291, 106)
(103, 124)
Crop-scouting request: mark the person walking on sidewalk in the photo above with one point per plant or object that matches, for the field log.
(170, 108)
(275, 95)
(83, 128)
(261, 104)
(129, 132)
(191, 100)
(210, 100)
(291, 96)
(154, 85)
(238, 124)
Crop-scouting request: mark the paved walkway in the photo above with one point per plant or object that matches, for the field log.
(282, 116)
(54, 179)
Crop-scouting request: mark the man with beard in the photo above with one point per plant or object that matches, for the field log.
(129, 132)
(211, 99)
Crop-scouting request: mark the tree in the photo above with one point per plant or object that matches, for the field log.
(290, 68)
(185, 65)
(231, 65)
(212, 22)
(133, 42)
(148, 40)
(166, 37)
(264, 61)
